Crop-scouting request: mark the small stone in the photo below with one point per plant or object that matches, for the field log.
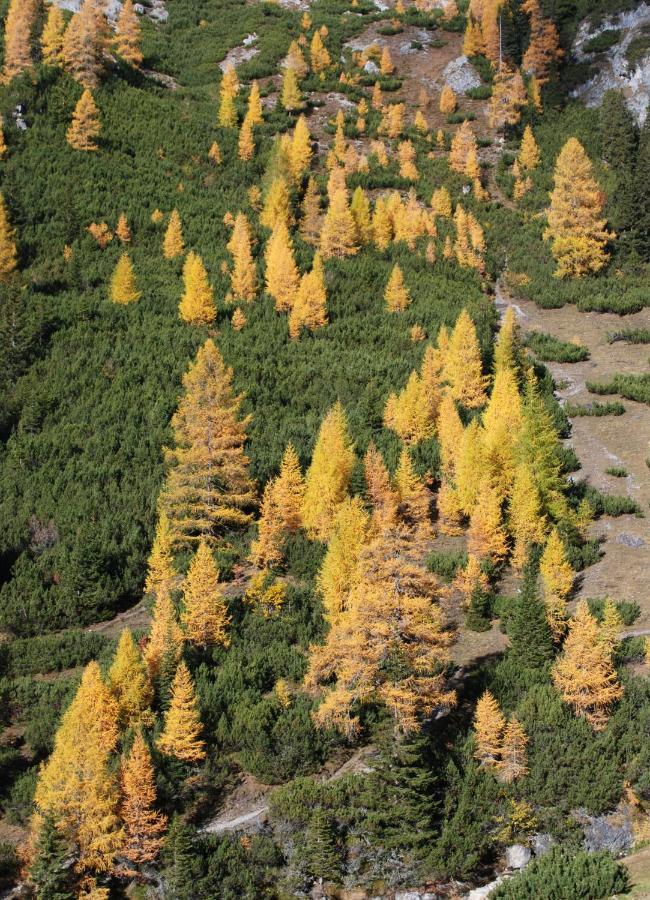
(629, 540)
(485, 891)
(371, 68)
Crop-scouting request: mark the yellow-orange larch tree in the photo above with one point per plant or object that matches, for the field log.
(84, 44)
(414, 497)
(197, 303)
(17, 38)
(379, 489)
(129, 683)
(246, 144)
(243, 276)
(52, 36)
(301, 152)
(470, 467)
(557, 580)
(309, 309)
(526, 521)
(463, 368)
(205, 617)
(8, 252)
(338, 234)
(181, 736)
(462, 142)
(544, 45)
(514, 759)
(340, 565)
(208, 487)
(310, 223)
(611, 625)
(360, 209)
(576, 229)
(144, 826)
(584, 674)
(76, 787)
(123, 284)
(328, 476)
(392, 612)
(290, 94)
(441, 203)
(173, 244)
(486, 535)
(128, 39)
(529, 155)
(281, 275)
(85, 126)
(295, 59)
(508, 97)
(254, 112)
(386, 64)
(489, 725)
(448, 101)
(501, 424)
(318, 53)
(281, 511)
(396, 294)
(508, 349)
(227, 93)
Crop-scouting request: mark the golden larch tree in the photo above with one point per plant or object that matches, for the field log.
(144, 826)
(76, 787)
(392, 613)
(208, 487)
(486, 535)
(254, 109)
(129, 682)
(340, 565)
(128, 39)
(462, 142)
(508, 350)
(205, 616)
(122, 230)
(173, 244)
(277, 207)
(281, 512)
(295, 59)
(309, 309)
(281, 275)
(413, 497)
(124, 288)
(379, 490)
(301, 151)
(52, 36)
(84, 44)
(243, 276)
(557, 579)
(514, 759)
(8, 252)
(166, 636)
(181, 736)
(227, 92)
(318, 54)
(310, 223)
(529, 155)
(463, 370)
(339, 234)
(470, 467)
(489, 725)
(17, 34)
(501, 424)
(160, 565)
(328, 476)
(526, 521)
(396, 294)
(441, 203)
(575, 225)
(290, 95)
(246, 144)
(473, 43)
(611, 625)
(584, 674)
(197, 302)
(85, 126)
(447, 102)
(386, 64)
(508, 97)
(544, 46)
(406, 158)
(360, 209)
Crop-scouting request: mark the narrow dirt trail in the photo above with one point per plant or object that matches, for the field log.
(604, 442)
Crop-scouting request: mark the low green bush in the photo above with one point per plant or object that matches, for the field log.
(482, 92)
(630, 336)
(575, 410)
(446, 564)
(628, 610)
(458, 117)
(617, 472)
(551, 349)
(632, 387)
(560, 875)
(603, 41)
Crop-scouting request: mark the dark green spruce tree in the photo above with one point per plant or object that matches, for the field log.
(531, 641)
(50, 872)
(321, 854)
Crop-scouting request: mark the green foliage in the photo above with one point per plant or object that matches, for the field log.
(530, 637)
(483, 92)
(630, 336)
(609, 504)
(632, 387)
(617, 471)
(50, 871)
(552, 349)
(51, 653)
(559, 875)
(603, 41)
(628, 610)
(574, 410)
(446, 564)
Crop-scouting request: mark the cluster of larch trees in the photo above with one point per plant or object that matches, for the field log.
(81, 49)
(96, 794)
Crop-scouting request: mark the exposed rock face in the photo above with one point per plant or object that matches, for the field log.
(461, 75)
(614, 69)
(612, 832)
(238, 55)
(155, 10)
(482, 892)
(518, 856)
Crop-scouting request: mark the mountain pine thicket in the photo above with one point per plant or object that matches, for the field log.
(272, 461)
